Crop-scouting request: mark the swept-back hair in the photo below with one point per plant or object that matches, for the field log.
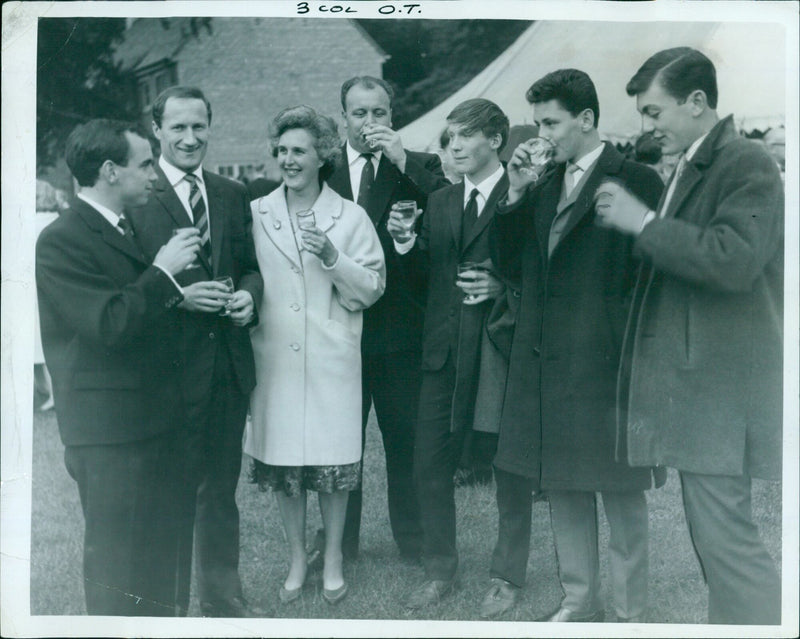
(679, 71)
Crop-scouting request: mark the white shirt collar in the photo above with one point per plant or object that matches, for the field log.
(107, 213)
(353, 155)
(585, 163)
(485, 187)
(176, 175)
(694, 146)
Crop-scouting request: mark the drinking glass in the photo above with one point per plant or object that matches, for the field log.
(306, 220)
(540, 152)
(467, 272)
(228, 282)
(196, 262)
(366, 130)
(408, 212)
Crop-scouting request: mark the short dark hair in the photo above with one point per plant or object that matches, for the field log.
(368, 82)
(679, 71)
(573, 89)
(321, 127)
(91, 144)
(179, 91)
(479, 114)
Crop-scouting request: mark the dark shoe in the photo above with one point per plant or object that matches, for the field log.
(333, 597)
(234, 607)
(428, 594)
(501, 596)
(562, 615)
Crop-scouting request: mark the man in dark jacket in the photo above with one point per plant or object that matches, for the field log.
(700, 389)
(111, 355)
(557, 430)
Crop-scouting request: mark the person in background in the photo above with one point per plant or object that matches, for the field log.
(326, 266)
(375, 171)
(452, 255)
(213, 322)
(701, 381)
(557, 432)
(110, 350)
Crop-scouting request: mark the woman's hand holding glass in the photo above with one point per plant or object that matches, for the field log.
(316, 241)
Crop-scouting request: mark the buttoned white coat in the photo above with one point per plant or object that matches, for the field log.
(306, 406)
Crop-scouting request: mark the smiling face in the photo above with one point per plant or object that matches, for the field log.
(365, 106)
(565, 131)
(673, 124)
(473, 154)
(135, 179)
(298, 160)
(183, 132)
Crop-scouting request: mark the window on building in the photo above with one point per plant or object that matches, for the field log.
(154, 82)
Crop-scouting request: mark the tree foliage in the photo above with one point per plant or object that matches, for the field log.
(76, 79)
(432, 59)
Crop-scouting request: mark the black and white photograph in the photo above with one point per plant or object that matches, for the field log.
(452, 318)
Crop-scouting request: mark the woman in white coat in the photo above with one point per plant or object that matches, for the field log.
(305, 432)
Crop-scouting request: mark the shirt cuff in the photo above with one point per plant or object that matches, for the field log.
(325, 267)
(405, 247)
(169, 275)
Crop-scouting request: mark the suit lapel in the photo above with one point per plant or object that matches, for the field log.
(456, 208)
(545, 208)
(216, 214)
(108, 233)
(689, 177)
(382, 189)
(488, 211)
(339, 180)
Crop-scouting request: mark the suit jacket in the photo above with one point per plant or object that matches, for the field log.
(394, 323)
(109, 348)
(453, 329)
(706, 337)
(558, 424)
(232, 253)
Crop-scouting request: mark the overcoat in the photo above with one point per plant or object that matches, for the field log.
(306, 407)
(706, 339)
(558, 422)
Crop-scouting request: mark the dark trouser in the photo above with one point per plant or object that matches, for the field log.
(514, 510)
(129, 549)
(214, 454)
(436, 454)
(391, 382)
(743, 584)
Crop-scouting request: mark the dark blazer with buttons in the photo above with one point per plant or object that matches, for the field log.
(558, 419)
(394, 322)
(453, 329)
(108, 346)
(232, 253)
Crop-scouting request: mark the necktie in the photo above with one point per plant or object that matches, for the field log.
(199, 214)
(570, 178)
(125, 226)
(470, 216)
(367, 179)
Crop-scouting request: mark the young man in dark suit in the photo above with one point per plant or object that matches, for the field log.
(217, 368)
(376, 171)
(110, 352)
(557, 431)
(454, 231)
(701, 389)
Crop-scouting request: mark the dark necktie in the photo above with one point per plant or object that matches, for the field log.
(470, 216)
(367, 180)
(125, 227)
(199, 214)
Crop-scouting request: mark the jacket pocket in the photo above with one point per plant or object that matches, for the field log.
(119, 379)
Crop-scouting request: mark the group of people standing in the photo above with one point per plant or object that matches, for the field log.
(591, 327)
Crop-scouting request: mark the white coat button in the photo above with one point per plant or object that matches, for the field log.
(211, 336)
(295, 269)
(277, 224)
(295, 307)
(295, 346)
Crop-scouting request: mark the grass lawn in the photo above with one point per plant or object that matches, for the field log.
(379, 580)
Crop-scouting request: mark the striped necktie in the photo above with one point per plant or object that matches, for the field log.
(199, 214)
(569, 178)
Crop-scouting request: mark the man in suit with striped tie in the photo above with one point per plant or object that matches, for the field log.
(216, 357)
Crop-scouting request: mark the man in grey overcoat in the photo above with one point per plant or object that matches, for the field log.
(701, 385)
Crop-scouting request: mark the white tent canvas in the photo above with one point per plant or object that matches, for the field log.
(749, 58)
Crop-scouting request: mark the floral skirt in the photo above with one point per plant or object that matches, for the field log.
(293, 480)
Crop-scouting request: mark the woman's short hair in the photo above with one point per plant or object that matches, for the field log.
(321, 127)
